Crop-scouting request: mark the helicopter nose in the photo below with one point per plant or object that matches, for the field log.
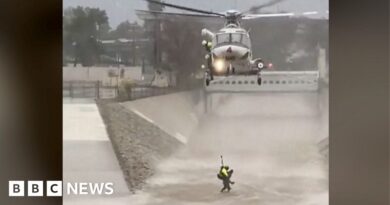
(229, 51)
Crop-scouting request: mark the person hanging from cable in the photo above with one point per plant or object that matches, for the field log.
(225, 174)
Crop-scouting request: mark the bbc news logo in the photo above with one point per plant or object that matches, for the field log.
(56, 188)
(34, 188)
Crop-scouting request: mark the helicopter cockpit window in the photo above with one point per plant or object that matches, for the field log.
(223, 38)
(245, 40)
(232, 38)
(236, 37)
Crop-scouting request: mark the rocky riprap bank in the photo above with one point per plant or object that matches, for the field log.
(138, 144)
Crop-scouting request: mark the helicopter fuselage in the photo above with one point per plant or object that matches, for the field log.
(231, 51)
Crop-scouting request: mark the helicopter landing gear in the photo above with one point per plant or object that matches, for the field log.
(209, 77)
(259, 79)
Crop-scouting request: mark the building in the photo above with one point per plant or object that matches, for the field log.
(125, 51)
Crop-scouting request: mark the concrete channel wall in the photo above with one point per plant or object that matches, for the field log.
(138, 144)
(269, 138)
(88, 155)
(177, 114)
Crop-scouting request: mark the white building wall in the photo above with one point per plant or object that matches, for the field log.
(101, 74)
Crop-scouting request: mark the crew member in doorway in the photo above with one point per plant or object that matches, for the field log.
(208, 46)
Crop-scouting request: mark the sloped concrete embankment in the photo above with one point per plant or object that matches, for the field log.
(284, 125)
(269, 138)
(177, 114)
(138, 143)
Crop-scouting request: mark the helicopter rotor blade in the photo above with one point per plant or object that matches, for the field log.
(185, 8)
(256, 9)
(255, 16)
(287, 14)
(145, 14)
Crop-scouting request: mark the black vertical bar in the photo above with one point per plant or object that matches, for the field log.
(71, 89)
(359, 102)
(98, 89)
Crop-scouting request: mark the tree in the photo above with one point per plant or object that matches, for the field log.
(289, 43)
(154, 31)
(82, 28)
(128, 30)
(155, 7)
(181, 45)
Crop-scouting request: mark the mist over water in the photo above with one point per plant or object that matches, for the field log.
(269, 139)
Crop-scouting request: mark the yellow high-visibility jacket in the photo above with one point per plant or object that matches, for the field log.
(224, 172)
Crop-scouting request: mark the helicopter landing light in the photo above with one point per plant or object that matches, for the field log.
(219, 65)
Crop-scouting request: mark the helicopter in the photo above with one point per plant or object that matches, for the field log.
(229, 50)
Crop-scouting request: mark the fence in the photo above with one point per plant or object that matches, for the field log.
(137, 92)
(102, 74)
(96, 90)
(88, 89)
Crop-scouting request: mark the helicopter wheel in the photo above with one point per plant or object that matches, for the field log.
(209, 77)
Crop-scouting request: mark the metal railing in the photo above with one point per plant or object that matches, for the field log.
(88, 89)
(96, 90)
(138, 92)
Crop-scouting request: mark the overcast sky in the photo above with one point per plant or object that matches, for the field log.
(122, 10)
